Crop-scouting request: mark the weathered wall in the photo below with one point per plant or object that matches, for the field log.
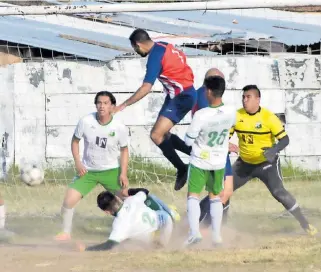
(42, 102)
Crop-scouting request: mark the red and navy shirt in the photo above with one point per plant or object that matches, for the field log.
(201, 101)
(168, 64)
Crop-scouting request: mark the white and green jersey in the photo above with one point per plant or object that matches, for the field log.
(208, 134)
(101, 142)
(134, 220)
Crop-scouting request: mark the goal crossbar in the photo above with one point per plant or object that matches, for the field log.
(144, 7)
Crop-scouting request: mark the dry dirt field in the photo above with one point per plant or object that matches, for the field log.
(258, 236)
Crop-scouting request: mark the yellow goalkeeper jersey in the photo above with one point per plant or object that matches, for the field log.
(255, 132)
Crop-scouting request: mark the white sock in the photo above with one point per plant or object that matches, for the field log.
(193, 214)
(67, 215)
(2, 216)
(216, 209)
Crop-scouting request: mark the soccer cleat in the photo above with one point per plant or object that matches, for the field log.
(6, 234)
(311, 230)
(63, 236)
(181, 178)
(217, 241)
(174, 213)
(193, 240)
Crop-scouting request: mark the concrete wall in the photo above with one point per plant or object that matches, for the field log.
(42, 102)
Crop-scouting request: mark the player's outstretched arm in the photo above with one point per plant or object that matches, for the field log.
(110, 244)
(138, 95)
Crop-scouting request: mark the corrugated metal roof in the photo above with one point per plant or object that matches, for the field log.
(54, 33)
(220, 26)
(46, 36)
(176, 27)
(290, 28)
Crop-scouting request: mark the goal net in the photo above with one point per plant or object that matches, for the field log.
(53, 65)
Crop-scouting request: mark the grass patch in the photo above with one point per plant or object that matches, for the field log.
(147, 171)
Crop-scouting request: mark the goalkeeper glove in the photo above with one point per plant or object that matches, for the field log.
(270, 153)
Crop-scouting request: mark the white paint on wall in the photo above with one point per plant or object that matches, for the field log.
(44, 101)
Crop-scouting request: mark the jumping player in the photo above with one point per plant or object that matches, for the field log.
(169, 65)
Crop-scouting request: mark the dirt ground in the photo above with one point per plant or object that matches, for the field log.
(258, 235)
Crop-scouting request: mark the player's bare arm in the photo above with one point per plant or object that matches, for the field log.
(124, 158)
(81, 169)
(138, 95)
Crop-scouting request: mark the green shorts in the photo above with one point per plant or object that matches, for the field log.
(109, 179)
(198, 178)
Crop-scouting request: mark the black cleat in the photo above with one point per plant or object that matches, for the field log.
(181, 178)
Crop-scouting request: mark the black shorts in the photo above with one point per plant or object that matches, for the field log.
(269, 173)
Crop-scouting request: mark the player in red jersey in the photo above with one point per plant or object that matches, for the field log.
(168, 65)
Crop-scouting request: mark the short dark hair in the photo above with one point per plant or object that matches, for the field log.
(105, 200)
(106, 93)
(252, 87)
(216, 84)
(139, 35)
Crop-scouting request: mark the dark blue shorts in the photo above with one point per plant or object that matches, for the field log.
(228, 167)
(175, 109)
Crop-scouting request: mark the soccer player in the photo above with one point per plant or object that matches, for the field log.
(208, 135)
(168, 64)
(201, 103)
(105, 140)
(256, 129)
(134, 220)
(4, 233)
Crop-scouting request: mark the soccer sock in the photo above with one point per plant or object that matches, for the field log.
(67, 215)
(225, 211)
(169, 152)
(216, 209)
(2, 216)
(180, 145)
(161, 203)
(193, 214)
(297, 213)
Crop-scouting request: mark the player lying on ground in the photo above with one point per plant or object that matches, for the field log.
(105, 140)
(134, 220)
(257, 128)
(169, 65)
(208, 135)
(4, 233)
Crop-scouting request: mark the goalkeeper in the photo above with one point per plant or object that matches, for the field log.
(134, 219)
(256, 129)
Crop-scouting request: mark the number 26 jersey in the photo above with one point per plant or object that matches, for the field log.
(210, 130)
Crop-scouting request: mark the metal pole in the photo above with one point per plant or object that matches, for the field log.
(141, 7)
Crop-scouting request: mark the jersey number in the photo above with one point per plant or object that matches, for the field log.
(216, 138)
(179, 54)
(248, 138)
(147, 219)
